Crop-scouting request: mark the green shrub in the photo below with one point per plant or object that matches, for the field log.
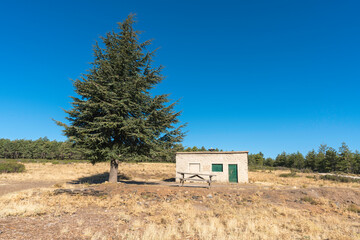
(255, 168)
(292, 174)
(306, 170)
(11, 167)
(309, 200)
(339, 178)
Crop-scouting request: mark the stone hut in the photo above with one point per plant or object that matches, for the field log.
(227, 166)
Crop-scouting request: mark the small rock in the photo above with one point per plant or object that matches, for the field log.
(209, 196)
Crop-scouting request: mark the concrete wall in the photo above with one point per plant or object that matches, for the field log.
(187, 162)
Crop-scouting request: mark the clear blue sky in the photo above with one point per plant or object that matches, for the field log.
(266, 76)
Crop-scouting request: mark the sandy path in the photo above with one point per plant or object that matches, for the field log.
(12, 186)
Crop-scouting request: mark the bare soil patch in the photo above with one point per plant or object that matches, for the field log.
(15, 186)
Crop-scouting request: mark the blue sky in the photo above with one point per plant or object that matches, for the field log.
(266, 76)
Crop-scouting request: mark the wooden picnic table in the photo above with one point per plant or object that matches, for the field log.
(195, 177)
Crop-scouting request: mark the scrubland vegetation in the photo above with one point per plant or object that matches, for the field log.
(146, 204)
(11, 167)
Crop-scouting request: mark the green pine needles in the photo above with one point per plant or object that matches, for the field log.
(116, 118)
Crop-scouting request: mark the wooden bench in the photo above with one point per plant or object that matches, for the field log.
(195, 177)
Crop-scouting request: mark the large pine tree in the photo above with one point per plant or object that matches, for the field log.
(115, 118)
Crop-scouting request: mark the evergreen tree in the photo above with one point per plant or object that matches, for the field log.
(281, 160)
(356, 161)
(345, 162)
(297, 160)
(310, 160)
(116, 118)
(269, 162)
(194, 149)
(320, 156)
(256, 159)
(330, 160)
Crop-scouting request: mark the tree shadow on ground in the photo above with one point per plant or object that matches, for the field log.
(98, 178)
(169, 180)
(138, 182)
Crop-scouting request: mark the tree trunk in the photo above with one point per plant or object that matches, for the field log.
(113, 176)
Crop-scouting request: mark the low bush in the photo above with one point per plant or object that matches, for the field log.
(309, 200)
(11, 167)
(307, 170)
(337, 178)
(292, 174)
(254, 168)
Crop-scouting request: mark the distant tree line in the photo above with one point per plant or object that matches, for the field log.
(325, 159)
(181, 148)
(41, 148)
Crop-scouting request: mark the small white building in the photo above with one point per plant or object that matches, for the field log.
(227, 166)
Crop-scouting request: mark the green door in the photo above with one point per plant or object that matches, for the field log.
(233, 174)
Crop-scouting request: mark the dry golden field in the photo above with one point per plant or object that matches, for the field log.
(73, 201)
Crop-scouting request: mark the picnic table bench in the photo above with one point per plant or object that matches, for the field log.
(195, 177)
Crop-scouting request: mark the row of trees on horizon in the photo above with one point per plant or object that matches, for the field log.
(325, 159)
(41, 148)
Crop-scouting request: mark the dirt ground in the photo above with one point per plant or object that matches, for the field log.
(15, 186)
(143, 207)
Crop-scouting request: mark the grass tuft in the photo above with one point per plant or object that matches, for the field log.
(287, 175)
(309, 200)
(354, 208)
(337, 178)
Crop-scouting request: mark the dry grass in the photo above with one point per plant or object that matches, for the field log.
(128, 213)
(218, 219)
(72, 171)
(273, 178)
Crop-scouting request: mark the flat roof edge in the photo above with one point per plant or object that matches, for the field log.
(208, 152)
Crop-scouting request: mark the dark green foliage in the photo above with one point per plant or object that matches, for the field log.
(330, 160)
(115, 117)
(11, 167)
(281, 160)
(310, 160)
(256, 159)
(196, 149)
(296, 160)
(356, 162)
(337, 178)
(42, 148)
(346, 161)
(265, 168)
(287, 175)
(326, 159)
(269, 162)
